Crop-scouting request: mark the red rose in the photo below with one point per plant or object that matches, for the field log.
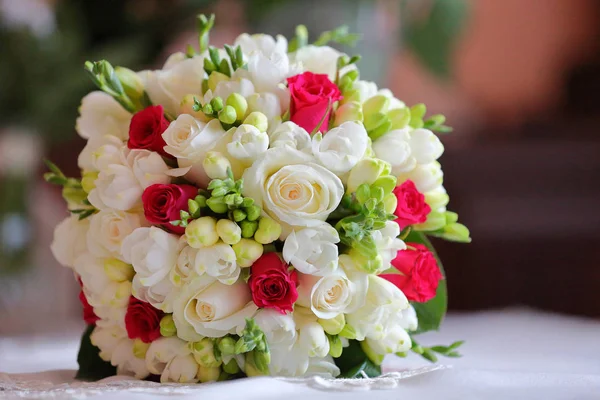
(420, 273)
(142, 321)
(272, 285)
(89, 316)
(146, 129)
(311, 96)
(411, 208)
(162, 204)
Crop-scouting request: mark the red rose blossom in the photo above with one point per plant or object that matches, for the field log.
(272, 285)
(411, 208)
(311, 95)
(146, 129)
(420, 273)
(89, 316)
(142, 321)
(163, 203)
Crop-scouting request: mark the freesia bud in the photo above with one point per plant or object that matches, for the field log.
(257, 119)
(262, 359)
(387, 183)
(375, 357)
(122, 294)
(186, 108)
(251, 369)
(348, 332)
(214, 79)
(457, 233)
(117, 270)
(167, 326)
(435, 220)
(239, 103)
(375, 105)
(204, 353)
(334, 325)
(140, 348)
(400, 117)
(312, 339)
(229, 231)
(215, 165)
(74, 197)
(335, 346)
(268, 231)
(217, 104)
(231, 367)
(247, 251)
(351, 111)
(437, 199)
(88, 180)
(253, 213)
(181, 369)
(390, 202)
(248, 228)
(202, 232)
(227, 346)
(367, 170)
(228, 115)
(131, 82)
(217, 204)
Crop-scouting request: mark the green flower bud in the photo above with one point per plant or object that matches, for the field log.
(88, 180)
(253, 213)
(248, 228)
(418, 111)
(206, 374)
(333, 326)
(251, 369)
(377, 359)
(377, 193)
(335, 346)
(201, 200)
(74, 197)
(123, 292)
(258, 119)
(167, 326)
(387, 183)
(400, 117)
(351, 111)
(234, 200)
(194, 208)
(368, 170)
(382, 128)
(239, 103)
(268, 231)
(117, 270)
(204, 353)
(239, 215)
(451, 217)
(437, 199)
(457, 233)
(207, 109)
(229, 231)
(390, 202)
(186, 107)
(435, 220)
(350, 95)
(202, 232)
(366, 263)
(217, 104)
(228, 115)
(247, 251)
(231, 367)
(131, 82)
(227, 346)
(348, 332)
(140, 348)
(217, 205)
(223, 376)
(377, 104)
(262, 359)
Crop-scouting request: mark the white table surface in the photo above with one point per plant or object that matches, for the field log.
(510, 354)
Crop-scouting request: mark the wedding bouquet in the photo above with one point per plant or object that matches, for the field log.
(253, 210)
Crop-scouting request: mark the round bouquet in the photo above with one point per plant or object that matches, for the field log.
(253, 210)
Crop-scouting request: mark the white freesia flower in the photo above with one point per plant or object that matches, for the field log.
(326, 296)
(265, 44)
(394, 102)
(383, 302)
(388, 244)
(248, 143)
(101, 115)
(365, 89)
(159, 295)
(313, 250)
(291, 188)
(272, 105)
(184, 268)
(181, 369)
(266, 72)
(291, 135)
(206, 307)
(152, 252)
(408, 319)
(98, 288)
(394, 148)
(324, 367)
(425, 146)
(110, 316)
(219, 262)
(162, 351)
(180, 76)
(225, 88)
(281, 335)
(317, 59)
(292, 362)
(108, 229)
(99, 152)
(342, 147)
(396, 340)
(359, 279)
(312, 339)
(427, 177)
(68, 241)
(126, 362)
(107, 339)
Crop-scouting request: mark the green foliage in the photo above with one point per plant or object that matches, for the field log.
(72, 189)
(340, 35)
(429, 353)
(354, 363)
(91, 366)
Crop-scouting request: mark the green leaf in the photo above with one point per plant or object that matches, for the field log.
(91, 366)
(430, 313)
(354, 362)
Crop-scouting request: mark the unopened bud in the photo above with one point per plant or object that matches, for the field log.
(437, 199)
(376, 358)
(400, 117)
(227, 346)
(204, 353)
(258, 119)
(351, 111)
(88, 180)
(262, 359)
(239, 103)
(167, 326)
(333, 326)
(131, 82)
(239, 215)
(229, 231)
(74, 197)
(390, 202)
(202, 232)
(368, 170)
(248, 228)
(231, 367)
(117, 270)
(251, 368)
(435, 220)
(348, 332)
(253, 213)
(228, 115)
(217, 104)
(140, 348)
(206, 374)
(247, 251)
(375, 105)
(215, 78)
(186, 107)
(457, 233)
(217, 205)
(268, 231)
(335, 346)
(387, 183)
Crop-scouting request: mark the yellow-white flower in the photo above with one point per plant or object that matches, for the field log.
(159, 295)
(98, 288)
(327, 296)
(342, 147)
(313, 250)
(107, 338)
(108, 229)
(219, 262)
(394, 148)
(248, 143)
(99, 152)
(427, 177)
(183, 272)
(322, 366)
(101, 115)
(313, 340)
(317, 59)
(265, 44)
(181, 369)
(272, 105)
(127, 362)
(291, 135)
(162, 351)
(69, 240)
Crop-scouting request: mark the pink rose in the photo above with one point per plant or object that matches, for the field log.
(163, 203)
(272, 285)
(411, 208)
(311, 96)
(146, 129)
(420, 273)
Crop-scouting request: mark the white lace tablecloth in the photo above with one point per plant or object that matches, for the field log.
(514, 354)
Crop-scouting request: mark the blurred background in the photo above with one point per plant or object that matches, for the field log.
(518, 80)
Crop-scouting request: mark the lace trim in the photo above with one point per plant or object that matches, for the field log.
(23, 386)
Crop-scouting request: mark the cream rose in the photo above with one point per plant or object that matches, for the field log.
(292, 189)
(68, 241)
(327, 296)
(206, 307)
(342, 147)
(107, 231)
(313, 250)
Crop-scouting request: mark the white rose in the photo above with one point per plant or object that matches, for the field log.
(208, 308)
(425, 146)
(101, 115)
(180, 76)
(342, 147)
(313, 340)
(107, 231)
(264, 44)
(99, 152)
(291, 135)
(394, 148)
(69, 241)
(106, 339)
(427, 177)
(248, 143)
(313, 250)
(326, 296)
(126, 362)
(395, 340)
(162, 351)
(184, 268)
(272, 105)
(159, 295)
(317, 59)
(292, 189)
(324, 367)
(388, 244)
(383, 301)
(219, 262)
(152, 252)
(181, 369)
